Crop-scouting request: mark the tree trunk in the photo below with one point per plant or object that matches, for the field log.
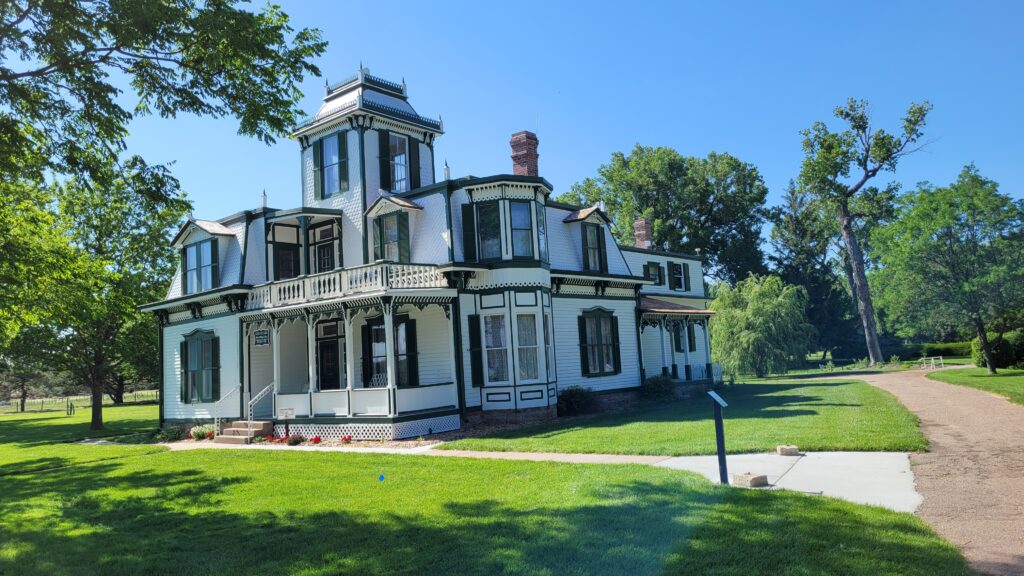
(986, 346)
(97, 406)
(116, 391)
(862, 294)
(24, 394)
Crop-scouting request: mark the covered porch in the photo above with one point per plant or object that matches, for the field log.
(372, 360)
(674, 341)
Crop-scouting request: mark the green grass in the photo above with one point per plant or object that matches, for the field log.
(958, 360)
(82, 402)
(122, 511)
(1007, 383)
(830, 415)
(34, 441)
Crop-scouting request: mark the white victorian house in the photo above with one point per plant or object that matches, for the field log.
(391, 304)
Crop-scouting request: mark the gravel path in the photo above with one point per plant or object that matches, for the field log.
(972, 477)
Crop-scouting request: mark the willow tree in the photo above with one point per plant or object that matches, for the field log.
(838, 166)
(760, 326)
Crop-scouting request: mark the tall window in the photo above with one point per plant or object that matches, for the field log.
(593, 248)
(375, 361)
(526, 333)
(542, 232)
(200, 263)
(398, 147)
(200, 373)
(323, 248)
(333, 164)
(488, 218)
(522, 230)
(599, 343)
(330, 355)
(497, 353)
(378, 357)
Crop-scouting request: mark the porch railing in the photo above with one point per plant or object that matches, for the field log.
(337, 283)
(217, 406)
(252, 406)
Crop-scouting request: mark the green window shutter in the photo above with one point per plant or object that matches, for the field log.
(214, 264)
(615, 344)
(378, 239)
(343, 161)
(385, 159)
(673, 279)
(686, 277)
(661, 275)
(184, 271)
(403, 237)
(468, 233)
(603, 250)
(183, 392)
(412, 352)
(215, 370)
(677, 338)
(691, 337)
(586, 247)
(476, 353)
(366, 354)
(414, 163)
(318, 183)
(582, 325)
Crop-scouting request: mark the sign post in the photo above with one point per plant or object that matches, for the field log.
(718, 402)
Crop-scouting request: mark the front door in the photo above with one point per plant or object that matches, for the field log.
(329, 364)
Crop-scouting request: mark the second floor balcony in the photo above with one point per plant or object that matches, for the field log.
(372, 279)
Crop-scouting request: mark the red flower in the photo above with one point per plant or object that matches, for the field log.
(314, 440)
(209, 435)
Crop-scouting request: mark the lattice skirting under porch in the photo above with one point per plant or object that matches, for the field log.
(360, 431)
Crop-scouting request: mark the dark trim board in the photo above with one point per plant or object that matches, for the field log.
(663, 253)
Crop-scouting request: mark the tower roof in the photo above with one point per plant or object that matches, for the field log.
(367, 94)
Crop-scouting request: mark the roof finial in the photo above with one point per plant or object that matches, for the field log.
(264, 199)
(447, 171)
(403, 84)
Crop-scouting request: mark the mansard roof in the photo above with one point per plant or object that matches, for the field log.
(369, 94)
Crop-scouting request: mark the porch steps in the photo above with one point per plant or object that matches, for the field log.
(238, 432)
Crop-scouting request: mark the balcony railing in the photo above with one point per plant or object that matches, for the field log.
(349, 281)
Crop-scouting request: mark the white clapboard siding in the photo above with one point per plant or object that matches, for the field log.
(651, 337)
(567, 353)
(225, 328)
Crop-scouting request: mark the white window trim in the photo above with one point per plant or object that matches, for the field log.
(407, 181)
(486, 349)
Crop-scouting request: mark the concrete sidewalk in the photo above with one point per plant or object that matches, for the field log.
(877, 478)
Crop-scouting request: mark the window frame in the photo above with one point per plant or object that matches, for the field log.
(404, 339)
(599, 247)
(407, 179)
(194, 284)
(540, 218)
(200, 382)
(401, 241)
(502, 348)
(480, 230)
(521, 347)
(338, 339)
(341, 166)
(513, 229)
(600, 348)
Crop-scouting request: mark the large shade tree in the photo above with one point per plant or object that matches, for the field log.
(760, 326)
(837, 168)
(714, 206)
(959, 248)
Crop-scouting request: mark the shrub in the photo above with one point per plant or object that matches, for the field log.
(170, 434)
(658, 387)
(1007, 350)
(315, 440)
(202, 432)
(895, 360)
(946, 349)
(346, 439)
(296, 440)
(862, 363)
(574, 401)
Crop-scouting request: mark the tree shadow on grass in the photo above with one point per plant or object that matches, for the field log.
(178, 523)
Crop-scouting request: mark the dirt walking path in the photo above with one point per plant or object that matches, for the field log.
(972, 478)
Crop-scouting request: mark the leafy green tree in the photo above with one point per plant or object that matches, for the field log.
(714, 206)
(960, 248)
(837, 168)
(126, 233)
(801, 240)
(63, 64)
(25, 363)
(760, 326)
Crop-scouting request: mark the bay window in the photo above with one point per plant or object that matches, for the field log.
(489, 224)
(526, 334)
(542, 232)
(522, 229)
(496, 348)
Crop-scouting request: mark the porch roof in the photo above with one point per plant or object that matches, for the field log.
(650, 305)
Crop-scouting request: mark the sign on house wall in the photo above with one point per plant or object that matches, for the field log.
(261, 338)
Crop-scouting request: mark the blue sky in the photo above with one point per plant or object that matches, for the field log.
(593, 78)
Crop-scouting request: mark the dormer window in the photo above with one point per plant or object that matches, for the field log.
(330, 162)
(398, 146)
(594, 256)
(199, 266)
(391, 237)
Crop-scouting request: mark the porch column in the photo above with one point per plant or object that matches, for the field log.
(311, 354)
(686, 348)
(664, 353)
(275, 344)
(350, 360)
(304, 245)
(451, 337)
(389, 345)
(707, 341)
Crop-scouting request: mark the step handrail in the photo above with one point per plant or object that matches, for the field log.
(252, 405)
(216, 408)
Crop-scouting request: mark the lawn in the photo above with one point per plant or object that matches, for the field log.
(129, 509)
(822, 415)
(41, 440)
(1007, 383)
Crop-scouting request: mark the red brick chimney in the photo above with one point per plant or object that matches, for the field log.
(642, 235)
(524, 153)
